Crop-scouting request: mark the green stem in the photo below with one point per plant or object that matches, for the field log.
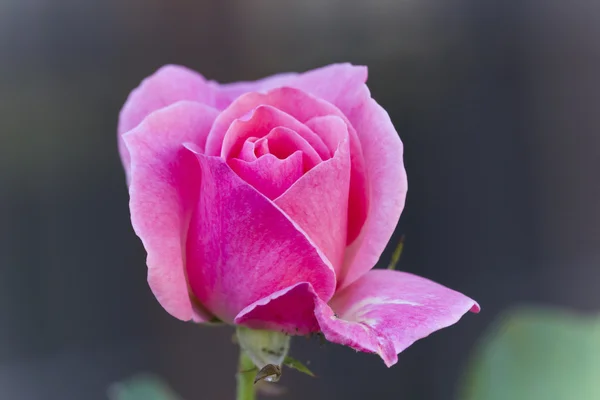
(245, 378)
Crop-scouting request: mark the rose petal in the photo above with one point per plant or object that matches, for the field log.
(261, 147)
(333, 82)
(302, 107)
(385, 306)
(384, 312)
(172, 83)
(331, 129)
(318, 201)
(268, 174)
(305, 107)
(235, 125)
(336, 83)
(163, 191)
(241, 247)
(282, 142)
(343, 85)
(382, 150)
(248, 152)
(229, 92)
(290, 310)
(168, 85)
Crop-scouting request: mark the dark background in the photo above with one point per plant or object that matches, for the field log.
(496, 102)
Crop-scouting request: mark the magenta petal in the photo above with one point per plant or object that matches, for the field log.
(290, 310)
(318, 201)
(268, 174)
(382, 150)
(388, 307)
(241, 247)
(163, 191)
(168, 85)
(297, 310)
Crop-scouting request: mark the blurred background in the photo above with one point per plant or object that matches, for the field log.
(496, 102)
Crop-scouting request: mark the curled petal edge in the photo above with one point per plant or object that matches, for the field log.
(367, 323)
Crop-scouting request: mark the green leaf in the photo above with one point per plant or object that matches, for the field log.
(142, 387)
(537, 354)
(297, 365)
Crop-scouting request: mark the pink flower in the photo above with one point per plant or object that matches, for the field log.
(267, 203)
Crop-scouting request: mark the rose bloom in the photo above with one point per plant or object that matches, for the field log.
(266, 204)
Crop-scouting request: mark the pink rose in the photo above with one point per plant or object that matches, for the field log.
(266, 204)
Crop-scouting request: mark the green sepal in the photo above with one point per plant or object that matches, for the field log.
(262, 346)
(297, 365)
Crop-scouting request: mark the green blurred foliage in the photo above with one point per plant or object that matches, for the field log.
(537, 354)
(142, 387)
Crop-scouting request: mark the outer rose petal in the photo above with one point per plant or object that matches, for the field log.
(394, 307)
(163, 191)
(382, 150)
(168, 85)
(384, 312)
(229, 92)
(241, 247)
(290, 310)
(332, 82)
(336, 83)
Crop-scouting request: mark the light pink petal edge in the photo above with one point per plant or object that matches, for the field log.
(168, 85)
(383, 154)
(331, 82)
(163, 188)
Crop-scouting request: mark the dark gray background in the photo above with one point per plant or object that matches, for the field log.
(496, 102)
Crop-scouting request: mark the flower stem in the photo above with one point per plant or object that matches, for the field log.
(245, 378)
